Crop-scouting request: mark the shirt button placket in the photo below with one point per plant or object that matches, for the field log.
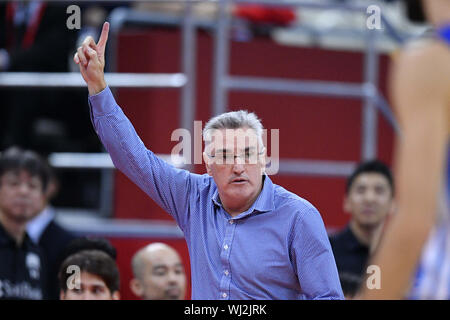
(225, 259)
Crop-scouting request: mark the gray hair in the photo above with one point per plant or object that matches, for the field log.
(234, 120)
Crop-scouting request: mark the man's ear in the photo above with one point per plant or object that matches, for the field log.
(136, 287)
(207, 161)
(263, 159)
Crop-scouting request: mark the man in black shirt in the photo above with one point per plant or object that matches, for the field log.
(23, 180)
(369, 200)
(50, 236)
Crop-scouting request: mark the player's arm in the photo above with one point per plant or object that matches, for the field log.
(420, 97)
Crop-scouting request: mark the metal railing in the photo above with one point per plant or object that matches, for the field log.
(74, 80)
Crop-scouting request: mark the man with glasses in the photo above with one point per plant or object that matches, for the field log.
(247, 237)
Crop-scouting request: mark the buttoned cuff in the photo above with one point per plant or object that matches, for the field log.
(102, 103)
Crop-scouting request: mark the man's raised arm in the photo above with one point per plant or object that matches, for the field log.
(166, 185)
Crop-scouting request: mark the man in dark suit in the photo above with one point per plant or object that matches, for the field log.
(369, 199)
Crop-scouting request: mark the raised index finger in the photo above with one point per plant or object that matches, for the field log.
(103, 37)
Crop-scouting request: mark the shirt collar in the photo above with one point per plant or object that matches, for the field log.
(37, 226)
(263, 203)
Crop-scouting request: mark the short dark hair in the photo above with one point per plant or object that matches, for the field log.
(95, 262)
(372, 166)
(16, 159)
(88, 243)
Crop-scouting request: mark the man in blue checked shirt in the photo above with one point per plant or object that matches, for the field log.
(247, 237)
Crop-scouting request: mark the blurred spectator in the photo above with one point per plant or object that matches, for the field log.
(50, 236)
(23, 181)
(30, 31)
(369, 200)
(34, 38)
(158, 273)
(89, 275)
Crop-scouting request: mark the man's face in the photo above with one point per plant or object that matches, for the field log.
(21, 195)
(369, 199)
(163, 277)
(236, 161)
(92, 287)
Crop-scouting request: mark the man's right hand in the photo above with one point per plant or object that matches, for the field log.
(91, 59)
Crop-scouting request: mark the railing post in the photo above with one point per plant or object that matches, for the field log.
(188, 62)
(221, 58)
(369, 111)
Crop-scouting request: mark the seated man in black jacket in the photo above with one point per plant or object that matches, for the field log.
(23, 181)
(369, 199)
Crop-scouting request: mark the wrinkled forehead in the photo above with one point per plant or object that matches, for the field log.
(233, 140)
